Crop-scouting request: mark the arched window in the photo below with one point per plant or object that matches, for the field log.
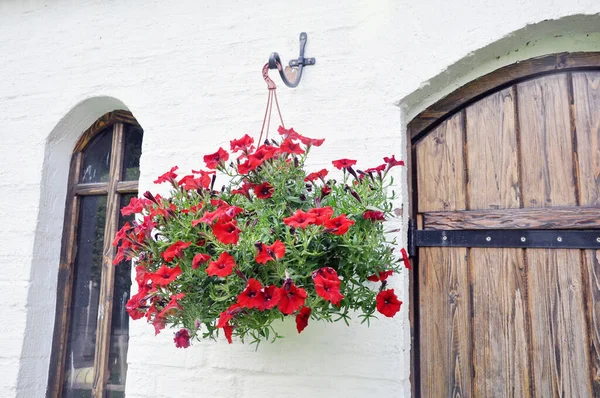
(91, 327)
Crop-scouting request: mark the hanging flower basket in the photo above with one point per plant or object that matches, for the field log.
(276, 241)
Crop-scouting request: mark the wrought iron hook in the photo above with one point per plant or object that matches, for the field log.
(275, 63)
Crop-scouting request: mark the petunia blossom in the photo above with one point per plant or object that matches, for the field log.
(311, 141)
(343, 163)
(321, 214)
(373, 215)
(222, 267)
(299, 219)
(198, 259)
(175, 250)
(289, 146)
(264, 190)
(136, 205)
(182, 338)
(328, 289)
(172, 306)
(214, 159)
(391, 162)
(380, 276)
(388, 303)
(302, 318)
(226, 232)
(405, 258)
(270, 253)
(291, 298)
(165, 275)
(121, 234)
(169, 176)
(136, 303)
(252, 296)
(243, 144)
(228, 314)
(228, 330)
(338, 225)
(270, 297)
(316, 175)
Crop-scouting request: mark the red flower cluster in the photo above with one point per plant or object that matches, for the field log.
(320, 216)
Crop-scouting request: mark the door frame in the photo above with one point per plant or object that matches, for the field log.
(436, 114)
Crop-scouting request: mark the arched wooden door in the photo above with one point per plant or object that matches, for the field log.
(506, 210)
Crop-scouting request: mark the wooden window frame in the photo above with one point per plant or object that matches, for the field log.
(445, 108)
(113, 189)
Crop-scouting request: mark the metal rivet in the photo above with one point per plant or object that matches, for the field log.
(444, 238)
(523, 239)
(559, 239)
(488, 238)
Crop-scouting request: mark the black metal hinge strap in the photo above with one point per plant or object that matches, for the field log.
(524, 238)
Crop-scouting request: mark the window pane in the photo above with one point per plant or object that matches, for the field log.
(119, 334)
(81, 343)
(96, 158)
(133, 150)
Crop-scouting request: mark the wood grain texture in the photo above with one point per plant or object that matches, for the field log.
(500, 328)
(544, 122)
(101, 371)
(94, 188)
(499, 78)
(65, 282)
(586, 103)
(106, 120)
(445, 322)
(529, 218)
(558, 326)
(492, 153)
(125, 187)
(440, 168)
(591, 279)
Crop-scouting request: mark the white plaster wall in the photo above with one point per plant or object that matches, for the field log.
(190, 73)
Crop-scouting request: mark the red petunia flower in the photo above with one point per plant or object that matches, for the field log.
(222, 267)
(191, 182)
(326, 190)
(173, 306)
(287, 133)
(270, 297)
(338, 225)
(291, 298)
(214, 159)
(228, 314)
(159, 324)
(380, 276)
(175, 250)
(182, 338)
(377, 169)
(228, 330)
(252, 296)
(343, 163)
(243, 190)
(136, 302)
(142, 276)
(121, 234)
(405, 258)
(326, 273)
(388, 303)
(243, 144)
(302, 318)
(135, 206)
(270, 253)
(289, 146)
(226, 232)
(300, 219)
(373, 215)
(317, 174)
(391, 162)
(311, 141)
(263, 153)
(169, 176)
(199, 258)
(164, 275)
(264, 190)
(321, 214)
(328, 289)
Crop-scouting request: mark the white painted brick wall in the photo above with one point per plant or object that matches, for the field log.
(190, 73)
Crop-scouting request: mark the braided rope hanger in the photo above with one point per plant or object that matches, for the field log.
(271, 95)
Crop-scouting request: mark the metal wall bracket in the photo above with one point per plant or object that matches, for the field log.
(524, 238)
(275, 63)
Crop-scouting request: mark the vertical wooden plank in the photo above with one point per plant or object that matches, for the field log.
(440, 167)
(500, 342)
(559, 342)
(492, 144)
(65, 281)
(101, 372)
(445, 318)
(586, 99)
(591, 276)
(544, 122)
(586, 104)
